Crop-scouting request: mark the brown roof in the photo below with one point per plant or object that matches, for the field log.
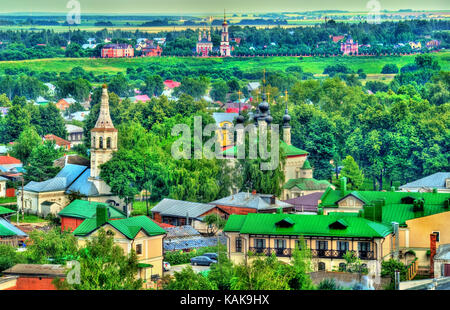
(59, 141)
(306, 202)
(46, 270)
(9, 160)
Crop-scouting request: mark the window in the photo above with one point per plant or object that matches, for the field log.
(280, 243)
(363, 246)
(321, 266)
(101, 142)
(437, 235)
(322, 245)
(139, 249)
(342, 246)
(108, 143)
(93, 142)
(238, 245)
(299, 244)
(260, 243)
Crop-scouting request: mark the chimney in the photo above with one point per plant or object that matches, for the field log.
(433, 238)
(397, 240)
(343, 186)
(280, 210)
(101, 215)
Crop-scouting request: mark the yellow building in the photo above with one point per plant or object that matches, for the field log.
(416, 214)
(328, 238)
(224, 122)
(137, 233)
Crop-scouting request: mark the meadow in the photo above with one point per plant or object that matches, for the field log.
(370, 64)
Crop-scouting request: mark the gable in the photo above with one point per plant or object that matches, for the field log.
(350, 201)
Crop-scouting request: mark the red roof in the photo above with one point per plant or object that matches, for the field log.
(59, 141)
(171, 84)
(9, 160)
(163, 225)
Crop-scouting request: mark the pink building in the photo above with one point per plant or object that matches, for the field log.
(349, 47)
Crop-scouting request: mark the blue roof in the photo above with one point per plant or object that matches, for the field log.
(61, 181)
(192, 243)
(83, 185)
(13, 230)
(436, 180)
(3, 179)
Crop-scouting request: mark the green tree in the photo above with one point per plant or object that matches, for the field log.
(352, 172)
(104, 266)
(51, 246)
(187, 279)
(219, 91)
(9, 257)
(40, 162)
(28, 140)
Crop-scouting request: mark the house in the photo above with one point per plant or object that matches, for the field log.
(41, 101)
(252, 86)
(151, 50)
(160, 41)
(415, 45)
(187, 238)
(59, 142)
(433, 43)
(78, 116)
(139, 233)
(179, 213)
(8, 163)
(10, 234)
(34, 276)
(64, 103)
(328, 237)
(349, 47)
(4, 111)
(75, 134)
(3, 150)
(439, 181)
(442, 261)
(3, 186)
(51, 196)
(170, 85)
(79, 210)
(71, 159)
(304, 183)
(244, 202)
(417, 215)
(336, 39)
(224, 122)
(306, 203)
(142, 98)
(117, 51)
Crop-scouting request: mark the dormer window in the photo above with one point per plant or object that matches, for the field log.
(339, 224)
(284, 223)
(447, 183)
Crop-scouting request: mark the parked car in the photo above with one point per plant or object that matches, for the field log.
(166, 266)
(202, 261)
(211, 255)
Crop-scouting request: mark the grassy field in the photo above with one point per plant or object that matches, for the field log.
(371, 65)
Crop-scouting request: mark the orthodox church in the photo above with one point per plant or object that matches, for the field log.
(205, 46)
(298, 171)
(51, 196)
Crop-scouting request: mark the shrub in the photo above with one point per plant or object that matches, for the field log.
(328, 284)
(389, 69)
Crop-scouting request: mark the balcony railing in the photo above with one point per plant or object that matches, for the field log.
(280, 252)
(284, 252)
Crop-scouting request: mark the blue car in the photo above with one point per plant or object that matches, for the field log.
(211, 255)
(202, 261)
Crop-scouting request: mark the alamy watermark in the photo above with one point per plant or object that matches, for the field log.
(258, 142)
(373, 16)
(74, 15)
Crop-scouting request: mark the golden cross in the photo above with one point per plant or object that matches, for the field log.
(286, 95)
(239, 93)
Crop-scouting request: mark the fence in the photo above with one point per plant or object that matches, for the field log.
(412, 271)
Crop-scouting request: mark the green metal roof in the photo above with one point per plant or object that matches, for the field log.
(289, 150)
(308, 225)
(393, 210)
(85, 209)
(306, 165)
(129, 227)
(4, 211)
(307, 184)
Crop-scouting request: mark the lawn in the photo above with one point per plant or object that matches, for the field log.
(140, 208)
(27, 218)
(7, 200)
(371, 65)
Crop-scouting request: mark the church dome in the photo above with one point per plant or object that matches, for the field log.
(263, 107)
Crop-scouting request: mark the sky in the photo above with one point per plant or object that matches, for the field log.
(179, 7)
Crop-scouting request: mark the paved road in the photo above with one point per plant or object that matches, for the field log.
(180, 267)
